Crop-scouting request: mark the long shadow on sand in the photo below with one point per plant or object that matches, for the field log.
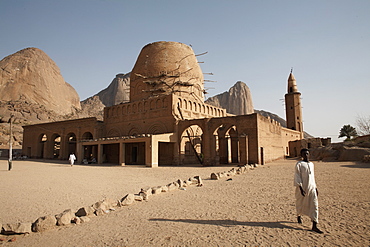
(230, 223)
(358, 165)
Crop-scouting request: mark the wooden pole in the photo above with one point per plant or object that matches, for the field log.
(10, 145)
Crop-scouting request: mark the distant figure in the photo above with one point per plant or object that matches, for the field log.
(306, 193)
(72, 159)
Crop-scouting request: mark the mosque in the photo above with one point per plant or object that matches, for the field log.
(167, 122)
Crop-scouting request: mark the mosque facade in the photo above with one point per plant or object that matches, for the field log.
(167, 122)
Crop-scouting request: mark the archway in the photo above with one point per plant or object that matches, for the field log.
(89, 151)
(56, 146)
(41, 145)
(191, 145)
(71, 143)
(228, 144)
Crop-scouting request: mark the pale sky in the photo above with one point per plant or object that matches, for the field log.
(327, 42)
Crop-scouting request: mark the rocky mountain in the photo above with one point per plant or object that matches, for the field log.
(238, 100)
(30, 75)
(32, 90)
(117, 92)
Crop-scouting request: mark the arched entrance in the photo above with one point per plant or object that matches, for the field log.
(90, 152)
(56, 146)
(191, 145)
(71, 143)
(41, 145)
(227, 143)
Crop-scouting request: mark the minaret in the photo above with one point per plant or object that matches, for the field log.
(293, 106)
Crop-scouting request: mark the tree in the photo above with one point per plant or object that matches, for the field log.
(347, 131)
(363, 125)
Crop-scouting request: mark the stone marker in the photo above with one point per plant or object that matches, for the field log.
(215, 176)
(65, 218)
(156, 190)
(76, 220)
(44, 223)
(181, 183)
(103, 205)
(100, 212)
(85, 211)
(172, 186)
(17, 228)
(164, 188)
(138, 197)
(127, 200)
(84, 219)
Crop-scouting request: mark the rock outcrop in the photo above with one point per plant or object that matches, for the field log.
(32, 76)
(237, 101)
(117, 92)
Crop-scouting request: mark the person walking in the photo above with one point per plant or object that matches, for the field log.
(72, 159)
(306, 192)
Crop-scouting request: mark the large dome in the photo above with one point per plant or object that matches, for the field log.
(166, 68)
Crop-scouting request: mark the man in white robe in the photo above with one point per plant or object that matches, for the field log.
(72, 159)
(306, 193)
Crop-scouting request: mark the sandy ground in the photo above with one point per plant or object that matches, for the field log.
(253, 209)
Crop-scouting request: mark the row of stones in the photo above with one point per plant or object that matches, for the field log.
(99, 208)
(233, 171)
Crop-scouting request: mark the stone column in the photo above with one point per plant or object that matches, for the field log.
(122, 153)
(100, 154)
(243, 144)
(207, 149)
(151, 152)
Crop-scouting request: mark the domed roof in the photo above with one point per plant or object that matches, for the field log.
(166, 68)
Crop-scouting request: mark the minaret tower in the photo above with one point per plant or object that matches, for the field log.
(293, 106)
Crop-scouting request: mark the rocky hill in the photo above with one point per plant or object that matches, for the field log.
(33, 91)
(31, 75)
(117, 92)
(238, 100)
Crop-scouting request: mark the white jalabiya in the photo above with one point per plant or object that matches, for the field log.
(305, 176)
(72, 159)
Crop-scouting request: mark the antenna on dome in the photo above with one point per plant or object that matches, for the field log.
(291, 70)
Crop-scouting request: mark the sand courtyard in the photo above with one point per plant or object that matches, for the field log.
(256, 208)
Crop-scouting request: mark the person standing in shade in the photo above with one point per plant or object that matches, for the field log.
(72, 159)
(306, 193)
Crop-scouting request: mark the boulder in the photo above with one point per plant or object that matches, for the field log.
(85, 211)
(44, 223)
(215, 176)
(138, 197)
(100, 212)
(103, 205)
(157, 190)
(146, 192)
(199, 180)
(181, 183)
(172, 186)
(84, 219)
(76, 220)
(17, 228)
(164, 188)
(65, 218)
(127, 200)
